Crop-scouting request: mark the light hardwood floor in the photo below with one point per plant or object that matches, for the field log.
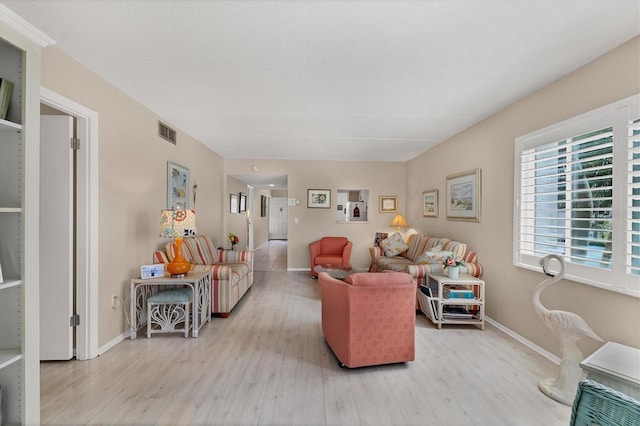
(268, 364)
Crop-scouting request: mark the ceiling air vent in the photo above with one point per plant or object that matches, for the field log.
(166, 132)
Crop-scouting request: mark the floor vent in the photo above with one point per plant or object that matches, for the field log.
(166, 132)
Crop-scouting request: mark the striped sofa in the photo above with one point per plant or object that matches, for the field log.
(418, 244)
(231, 271)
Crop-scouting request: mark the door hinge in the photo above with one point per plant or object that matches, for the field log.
(74, 320)
(75, 143)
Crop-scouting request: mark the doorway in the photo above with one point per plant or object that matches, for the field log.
(278, 218)
(85, 262)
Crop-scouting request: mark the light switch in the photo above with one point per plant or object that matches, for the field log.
(295, 220)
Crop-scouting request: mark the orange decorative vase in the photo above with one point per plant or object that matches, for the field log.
(179, 266)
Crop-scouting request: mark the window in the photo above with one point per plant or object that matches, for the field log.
(578, 195)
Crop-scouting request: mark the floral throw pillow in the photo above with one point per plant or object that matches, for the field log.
(393, 245)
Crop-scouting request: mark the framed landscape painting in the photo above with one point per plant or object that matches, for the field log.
(319, 198)
(430, 203)
(463, 196)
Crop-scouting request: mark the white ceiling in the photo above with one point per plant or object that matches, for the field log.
(330, 80)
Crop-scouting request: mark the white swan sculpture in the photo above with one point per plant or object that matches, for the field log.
(568, 329)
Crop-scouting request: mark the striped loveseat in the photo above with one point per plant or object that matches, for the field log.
(231, 271)
(418, 244)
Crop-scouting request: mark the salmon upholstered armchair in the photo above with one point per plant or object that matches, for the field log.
(334, 251)
(370, 318)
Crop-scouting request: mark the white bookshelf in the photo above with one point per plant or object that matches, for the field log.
(20, 50)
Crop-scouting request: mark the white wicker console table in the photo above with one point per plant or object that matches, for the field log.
(200, 284)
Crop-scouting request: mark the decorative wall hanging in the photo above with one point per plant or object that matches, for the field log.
(243, 202)
(233, 203)
(177, 186)
(319, 198)
(430, 203)
(388, 204)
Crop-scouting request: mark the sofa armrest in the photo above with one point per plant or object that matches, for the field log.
(346, 255)
(160, 256)
(419, 272)
(375, 253)
(237, 256)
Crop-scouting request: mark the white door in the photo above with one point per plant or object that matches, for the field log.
(278, 218)
(56, 237)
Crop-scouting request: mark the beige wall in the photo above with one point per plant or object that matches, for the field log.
(132, 180)
(133, 191)
(489, 145)
(379, 178)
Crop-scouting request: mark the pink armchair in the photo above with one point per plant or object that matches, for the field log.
(334, 251)
(369, 319)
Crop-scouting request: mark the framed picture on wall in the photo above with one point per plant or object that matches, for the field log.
(233, 203)
(263, 206)
(463, 196)
(243, 202)
(430, 203)
(177, 186)
(388, 203)
(319, 198)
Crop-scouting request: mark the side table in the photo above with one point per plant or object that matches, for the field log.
(439, 306)
(198, 281)
(616, 366)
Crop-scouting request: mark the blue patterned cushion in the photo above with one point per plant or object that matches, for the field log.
(394, 245)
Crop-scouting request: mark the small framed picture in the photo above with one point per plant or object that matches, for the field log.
(243, 202)
(319, 198)
(233, 203)
(388, 204)
(152, 271)
(430, 203)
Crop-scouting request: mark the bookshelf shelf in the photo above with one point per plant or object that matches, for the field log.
(439, 303)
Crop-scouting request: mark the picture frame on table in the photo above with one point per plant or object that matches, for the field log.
(243, 202)
(233, 203)
(430, 203)
(388, 203)
(177, 186)
(464, 196)
(319, 198)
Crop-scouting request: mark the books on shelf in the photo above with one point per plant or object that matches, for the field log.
(6, 89)
(457, 293)
(456, 312)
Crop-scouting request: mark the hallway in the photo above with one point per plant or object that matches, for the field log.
(271, 256)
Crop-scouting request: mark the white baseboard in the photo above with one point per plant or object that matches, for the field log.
(298, 269)
(114, 342)
(528, 343)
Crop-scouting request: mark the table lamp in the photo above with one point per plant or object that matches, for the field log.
(399, 222)
(178, 224)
